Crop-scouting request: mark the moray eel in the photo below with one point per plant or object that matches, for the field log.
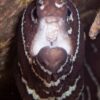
(50, 51)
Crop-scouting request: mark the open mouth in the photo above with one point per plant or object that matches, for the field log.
(53, 62)
(52, 58)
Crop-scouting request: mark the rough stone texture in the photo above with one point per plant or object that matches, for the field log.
(10, 12)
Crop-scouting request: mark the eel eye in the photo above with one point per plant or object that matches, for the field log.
(68, 12)
(69, 15)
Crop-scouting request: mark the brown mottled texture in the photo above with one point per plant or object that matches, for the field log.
(10, 12)
(95, 28)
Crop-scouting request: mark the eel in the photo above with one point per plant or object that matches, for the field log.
(50, 51)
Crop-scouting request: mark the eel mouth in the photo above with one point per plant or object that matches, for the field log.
(52, 58)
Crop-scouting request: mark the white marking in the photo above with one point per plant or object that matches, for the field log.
(70, 31)
(78, 38)
(47, 92)
(93, 78)
(59, 5)
(41, 39)
(67, 19)
(61, 68)
(42, 7)
(52, 83)
(70, 90)
(31, 91)
(32, 16)
(19, 65)
(64, 95)
(23, 38)
(43, 68)
(52, 37)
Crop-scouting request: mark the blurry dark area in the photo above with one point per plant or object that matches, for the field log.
(10, 12)
(8, 89)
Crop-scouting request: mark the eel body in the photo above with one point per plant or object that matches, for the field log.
(50, 51)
